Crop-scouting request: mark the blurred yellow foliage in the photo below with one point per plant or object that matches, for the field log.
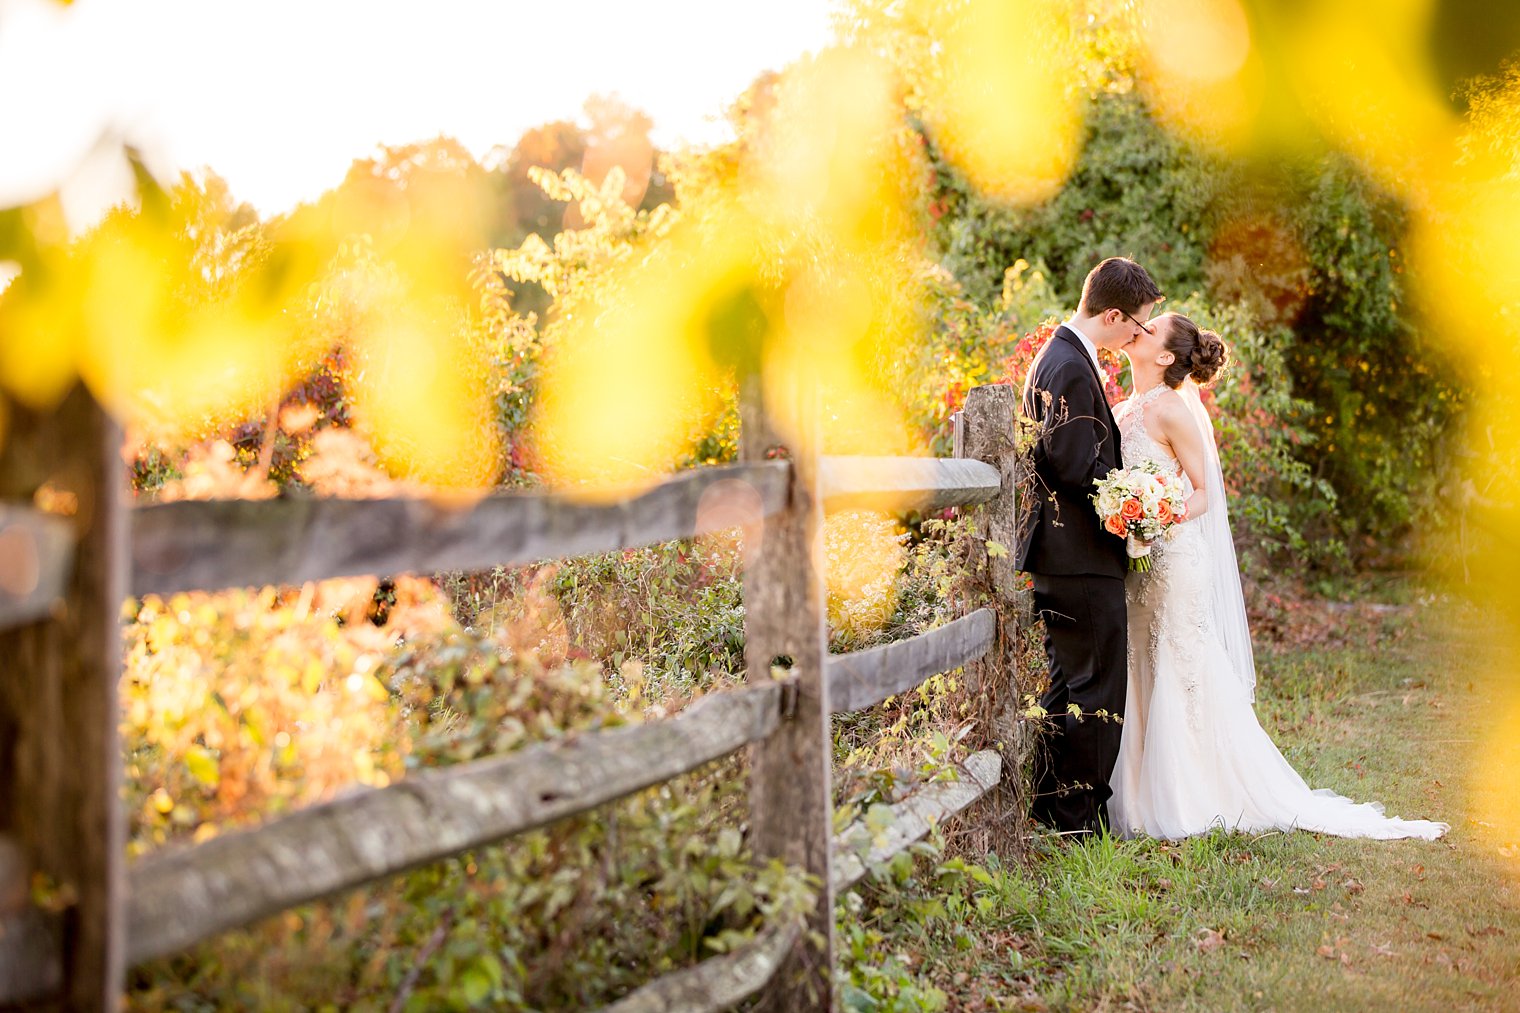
(179, 342)
(1001, 99)
(799, 257)
(1200, 71)
(796, 265)
(1368, 84)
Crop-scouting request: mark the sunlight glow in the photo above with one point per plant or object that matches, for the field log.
(1369, 85)
(279, 97)
(1199, 69)
(999, 103)
(864, 552)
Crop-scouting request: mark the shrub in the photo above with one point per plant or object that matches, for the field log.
(315, 690)
(1308, 255)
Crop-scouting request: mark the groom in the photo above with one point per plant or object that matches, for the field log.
(1078, 568)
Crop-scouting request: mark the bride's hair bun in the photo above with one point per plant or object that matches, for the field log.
(1197, 353)
(1209, 357)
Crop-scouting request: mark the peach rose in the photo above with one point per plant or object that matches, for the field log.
(1164, 512)
(1116, 526)
(1132, 510)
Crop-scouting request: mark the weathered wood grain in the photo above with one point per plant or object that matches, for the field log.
(865, 678)
(717, 983)
(905, 483)
(989, 442)
(60, 761)
(208, 544)
(791, 801)
(36, 554)
(858, 847)
(994, 679)
(180, 896)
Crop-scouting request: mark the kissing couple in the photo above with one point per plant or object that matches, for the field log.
(1152, 730)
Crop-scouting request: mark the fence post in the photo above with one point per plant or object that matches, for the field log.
(985, 432)
(60, 761)
(791, 795)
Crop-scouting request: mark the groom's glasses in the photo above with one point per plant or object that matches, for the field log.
(1143, 327)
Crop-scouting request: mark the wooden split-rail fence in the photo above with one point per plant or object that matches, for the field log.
(72, 548)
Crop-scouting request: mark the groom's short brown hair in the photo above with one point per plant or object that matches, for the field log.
(1118, 283)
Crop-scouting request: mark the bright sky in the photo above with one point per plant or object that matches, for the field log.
(279, 96)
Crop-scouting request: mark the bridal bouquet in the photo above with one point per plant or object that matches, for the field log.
(1140, 504)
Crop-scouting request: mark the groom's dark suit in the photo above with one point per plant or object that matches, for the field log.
(1078, 571)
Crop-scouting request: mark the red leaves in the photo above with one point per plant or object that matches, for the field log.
(1016, 364)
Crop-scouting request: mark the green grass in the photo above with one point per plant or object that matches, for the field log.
(1379, 704)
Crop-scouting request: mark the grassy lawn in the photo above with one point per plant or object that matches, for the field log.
(1380, 702)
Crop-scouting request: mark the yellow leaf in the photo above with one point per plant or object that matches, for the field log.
(203, 766)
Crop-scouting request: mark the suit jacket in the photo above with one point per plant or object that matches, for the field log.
(1060, 533)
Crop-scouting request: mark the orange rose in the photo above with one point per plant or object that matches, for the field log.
(1116, 526)
(1132, 510)
(1164, 512)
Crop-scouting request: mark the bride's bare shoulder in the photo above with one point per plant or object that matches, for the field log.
(1168, 407)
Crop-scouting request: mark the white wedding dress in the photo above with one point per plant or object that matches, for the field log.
(1193, 756)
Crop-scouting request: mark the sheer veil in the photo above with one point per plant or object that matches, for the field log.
(1229, 602)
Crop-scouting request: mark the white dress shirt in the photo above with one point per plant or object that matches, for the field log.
(1092, 349)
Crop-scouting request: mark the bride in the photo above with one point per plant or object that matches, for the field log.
(1193, 756)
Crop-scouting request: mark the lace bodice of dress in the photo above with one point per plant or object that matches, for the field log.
(1184, 541)
(1135, 442)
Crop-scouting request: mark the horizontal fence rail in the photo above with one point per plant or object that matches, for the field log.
(178, 897)
(717, 983)
(211, 544)
(863, 679)
(62, 581)
(903, 483)
(36, 554)
(857, 847)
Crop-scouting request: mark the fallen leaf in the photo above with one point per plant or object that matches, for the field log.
(1353, 885)
(1208, 940)
(1487, 930)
